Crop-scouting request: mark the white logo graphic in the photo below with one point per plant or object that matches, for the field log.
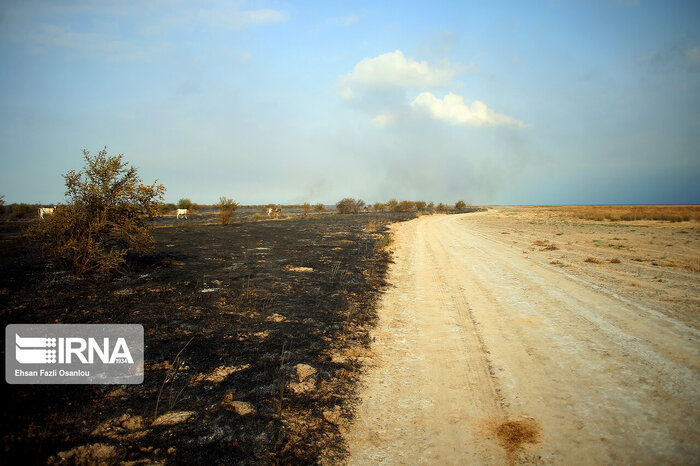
(43, 351)
(74, 354)
(35, 350)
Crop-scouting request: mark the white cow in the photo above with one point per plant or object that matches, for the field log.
(182, 212)
(46, 211)
(273, 212)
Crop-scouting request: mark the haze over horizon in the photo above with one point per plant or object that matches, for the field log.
(511, 103)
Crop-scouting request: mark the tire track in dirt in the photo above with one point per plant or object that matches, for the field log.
(479, 349)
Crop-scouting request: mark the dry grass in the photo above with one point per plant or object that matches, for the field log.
(592, 260)
(615, 213)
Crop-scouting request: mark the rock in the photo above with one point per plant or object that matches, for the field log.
(172, 418)
(303, 387)
(333, 416)
(97, 453)
(304, 371)
(131, 422)
(242, 408)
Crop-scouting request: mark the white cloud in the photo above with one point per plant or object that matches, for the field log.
(453, 110)
(384, 120)
(393, 70)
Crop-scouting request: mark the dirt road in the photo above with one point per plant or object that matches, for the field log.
(486, 356)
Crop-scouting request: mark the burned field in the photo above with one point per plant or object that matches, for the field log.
(254, 335)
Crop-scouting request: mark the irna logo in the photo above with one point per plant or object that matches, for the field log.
(74, 353)
(33, 350)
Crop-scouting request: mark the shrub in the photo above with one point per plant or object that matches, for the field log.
(106, 217)
(420, 205)
(406, 206)
(460, 205)
(393, 205)
(306, 208)
(431, 205)
(23, 210)
(164, 209)
(441, 207)
(379, 207)
(227, 207)
(184, 203)
(319, 208)
(348, 206)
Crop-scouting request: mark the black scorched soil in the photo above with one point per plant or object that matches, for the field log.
(228, 313)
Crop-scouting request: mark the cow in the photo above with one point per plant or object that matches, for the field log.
(46, 211)
(182, 212)
(273, 212)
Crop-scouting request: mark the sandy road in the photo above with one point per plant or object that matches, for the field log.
(485, 357)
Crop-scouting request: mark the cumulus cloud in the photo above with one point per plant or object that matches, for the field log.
(393, 70)
(453, 110)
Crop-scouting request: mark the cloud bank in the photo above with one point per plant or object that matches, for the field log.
(454, 111)
(393, 70)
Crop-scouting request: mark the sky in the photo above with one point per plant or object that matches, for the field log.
(537, 102)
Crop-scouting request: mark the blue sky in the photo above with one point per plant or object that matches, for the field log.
(492, 102)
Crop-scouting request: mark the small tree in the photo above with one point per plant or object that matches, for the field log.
(431, 205)
(379, 207)
(441, 207)
(406, 206)
(319, 208)
(460, 205)
(347, 206)
(105, 218)
(227, 207)
(306, 208)
(393, 205)
(184, 203)
(420, 205)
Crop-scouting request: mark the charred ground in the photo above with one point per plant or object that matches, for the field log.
(228, 312)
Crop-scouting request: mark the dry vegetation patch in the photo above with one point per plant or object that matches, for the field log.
(668, 213)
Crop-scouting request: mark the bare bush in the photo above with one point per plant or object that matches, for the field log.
(105, 217)
(23, 210)
(420, 205)
(349, 205)
(379, 207)
(306, 208)
(319, 208)
(441, 207)
(393, 205)
(460, 205)
(227, 207)
(406, 206)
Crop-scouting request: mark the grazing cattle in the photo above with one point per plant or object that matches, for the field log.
(273, 212)
(182, 212)
(46, 211)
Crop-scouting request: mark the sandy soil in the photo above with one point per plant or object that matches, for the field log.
(493, 347)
